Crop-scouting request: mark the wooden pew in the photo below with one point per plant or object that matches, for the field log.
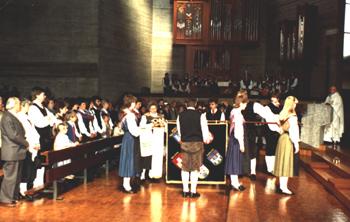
(83, 156)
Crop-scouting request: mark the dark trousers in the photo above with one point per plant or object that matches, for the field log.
(12, 178)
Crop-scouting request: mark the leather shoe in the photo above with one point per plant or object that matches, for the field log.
(240, 188)
(279, 191)
(129, 191)
(185, 194)
(194, 195)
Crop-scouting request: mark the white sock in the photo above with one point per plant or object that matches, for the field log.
(39, 180)
(185, 176)
(284, 184)
(234, 181)
(126, 183)
(143, 174)
(270, 163)
(253, 166)
(23, 188)
(194, 181)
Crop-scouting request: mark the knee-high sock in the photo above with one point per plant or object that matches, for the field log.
(284, 183)
(143, 174)
(22, 188)
(194, 181)
(39, 180)
(234, 181)
(270, 163)
(126, 183)
(253, 166)
(185, 176)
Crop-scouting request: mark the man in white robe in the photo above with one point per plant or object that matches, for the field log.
(334, 131)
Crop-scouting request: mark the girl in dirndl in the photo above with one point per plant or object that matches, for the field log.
(287, 146)
(234, 156)
(128, 165)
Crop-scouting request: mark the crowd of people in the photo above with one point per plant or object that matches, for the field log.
(173, 85)
(31, 126)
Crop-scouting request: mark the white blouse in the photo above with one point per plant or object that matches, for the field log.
(62, 141)
(237, 119)
(38, 119)
(266, 113)
(294, 131)
(130, 119)
(31, 134)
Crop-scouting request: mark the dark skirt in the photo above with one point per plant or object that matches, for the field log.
(28, 170)
(247, 152)
(137, 157)
(46, 141)
(234, 158)
(271, 142)
(146, 162)
(126, 161)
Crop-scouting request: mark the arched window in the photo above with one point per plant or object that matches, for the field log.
(346, 50)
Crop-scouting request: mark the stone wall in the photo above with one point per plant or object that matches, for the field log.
(165, 56)
(49, 43)
(125, 43)
(77, 48)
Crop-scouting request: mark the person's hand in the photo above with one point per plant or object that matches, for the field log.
(76, 143)
(80, 139)
(241, 149)
(36, 147)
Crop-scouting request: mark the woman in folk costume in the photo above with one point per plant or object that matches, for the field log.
(152, 142)
(128, 166)
(287, 146)
(234, 156)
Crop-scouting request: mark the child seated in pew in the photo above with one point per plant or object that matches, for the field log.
(106, 126)
(62, 142)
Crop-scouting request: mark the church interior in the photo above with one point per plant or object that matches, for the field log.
(171, 52)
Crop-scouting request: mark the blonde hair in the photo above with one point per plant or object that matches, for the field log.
(244, 94)
(288, 108)
(238, 100)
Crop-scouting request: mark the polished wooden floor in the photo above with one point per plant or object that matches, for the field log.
(101, 201)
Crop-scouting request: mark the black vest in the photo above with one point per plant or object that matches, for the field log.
(97, 113)
(42, 110)
(215, 116)
(86, 119)
(274, 109)
(248, 112)
(190, 126)
(249, 115)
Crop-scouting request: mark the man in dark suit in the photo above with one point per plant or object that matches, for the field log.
(13, 152)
